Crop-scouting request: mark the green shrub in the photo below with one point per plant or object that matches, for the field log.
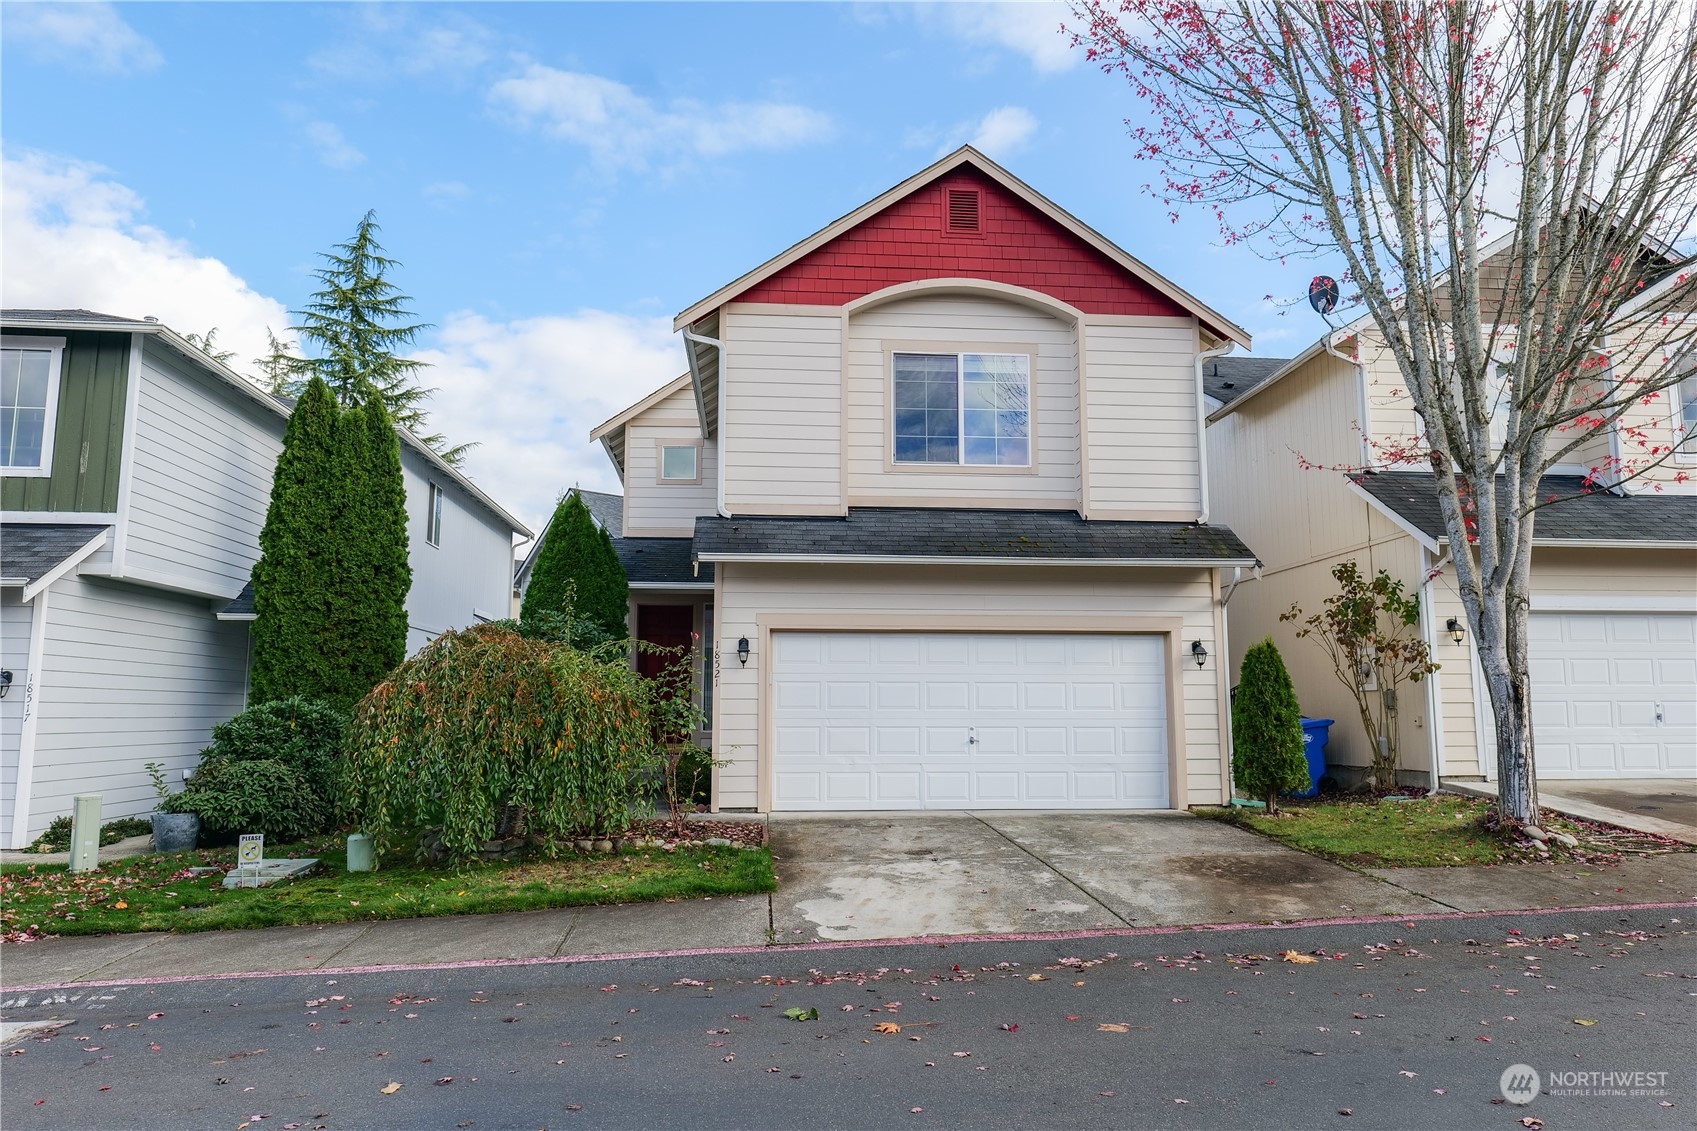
(305, 734)
(262, 796)
(484, 718)
(1267, 728)
(577, 569)
(57, 836)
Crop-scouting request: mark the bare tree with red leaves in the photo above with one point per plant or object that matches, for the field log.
(1506, 185)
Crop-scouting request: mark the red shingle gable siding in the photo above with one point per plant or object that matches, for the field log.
(1016, 245)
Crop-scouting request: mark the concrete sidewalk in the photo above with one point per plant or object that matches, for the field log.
(888, 876)
(1659, 806)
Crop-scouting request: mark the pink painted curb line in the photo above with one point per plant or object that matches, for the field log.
(842, 944)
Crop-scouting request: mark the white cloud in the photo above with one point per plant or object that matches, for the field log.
(1031, 29)
(621, 127)
(443, 193)
(91, 36)
(1003, 131)
(383, 41)
(332, 147)
(530, 390)
(74, 238)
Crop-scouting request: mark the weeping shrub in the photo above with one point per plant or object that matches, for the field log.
(484, 718)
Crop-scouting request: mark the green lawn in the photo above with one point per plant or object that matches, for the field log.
(1440, 831)
(156, 893)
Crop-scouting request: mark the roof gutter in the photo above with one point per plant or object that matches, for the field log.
(699, 339)
(953, 560)
(1202, 358)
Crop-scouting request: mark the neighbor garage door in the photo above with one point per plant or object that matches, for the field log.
(900, 720)
(1614, 694)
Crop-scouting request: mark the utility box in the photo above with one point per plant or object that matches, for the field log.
(85, 833)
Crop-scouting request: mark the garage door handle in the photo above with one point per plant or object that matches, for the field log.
(1658, 714)
(972, 733)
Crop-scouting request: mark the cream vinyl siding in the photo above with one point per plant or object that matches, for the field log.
(201, 479)
(653, 508)
(1655, 425)
(781, 437)
(1140, 395)
(129, 676)
(1300, 523)
(961, 324)
(1036, 595)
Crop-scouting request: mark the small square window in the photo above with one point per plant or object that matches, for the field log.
(433, 517)
(678, 463)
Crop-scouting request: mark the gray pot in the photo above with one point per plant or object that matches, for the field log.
(175, 832)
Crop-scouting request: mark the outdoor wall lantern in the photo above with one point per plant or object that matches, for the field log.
(1458, 632)
(1198, 653)
(742, 651)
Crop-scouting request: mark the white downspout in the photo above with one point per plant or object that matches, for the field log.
(1203, 358)
(692, 336)
(25, 787)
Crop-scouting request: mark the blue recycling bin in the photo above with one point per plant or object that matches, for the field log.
(1315, 734)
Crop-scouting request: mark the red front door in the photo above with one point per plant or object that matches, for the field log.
(666, 626)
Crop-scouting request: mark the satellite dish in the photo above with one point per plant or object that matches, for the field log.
(1323, 294)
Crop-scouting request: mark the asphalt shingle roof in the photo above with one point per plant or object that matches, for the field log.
(61, 316)
(609, 510)
(661, 560)
(920, 532)
(242, 606)
(1576, 515)
(1228, 378)
(29, 550)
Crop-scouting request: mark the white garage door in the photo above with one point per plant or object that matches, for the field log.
(895, 720)
(1614, 694)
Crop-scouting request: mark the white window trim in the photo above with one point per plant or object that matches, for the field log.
(433, 514)
(660, 476)
(1684, 441)
(50, 424)
(960, 353)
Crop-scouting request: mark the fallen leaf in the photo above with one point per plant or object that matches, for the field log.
(1584, 1021)
(798, 1014)
(1037, 977)
(1014, 1028)
(121, 904)
(1407, 1073)
(916, 1110)
(962, 1054)
(390, 1088)
(1110, 1027)
(886, 1027)
(1346, 1111)
(154, 1016)
(444, 1080)
(1533, 1122)
(1299, 958)
(1179, 1101)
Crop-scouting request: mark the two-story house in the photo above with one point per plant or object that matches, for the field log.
(932, 492)
(135, 473)
(1614, 603)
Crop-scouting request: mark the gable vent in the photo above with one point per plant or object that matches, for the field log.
(963, 210)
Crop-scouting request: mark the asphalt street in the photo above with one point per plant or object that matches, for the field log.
(1403, 1024)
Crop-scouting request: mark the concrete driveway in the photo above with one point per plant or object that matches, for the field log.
(890, 875)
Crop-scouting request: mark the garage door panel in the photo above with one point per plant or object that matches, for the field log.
(1613, 694)
(951, 721)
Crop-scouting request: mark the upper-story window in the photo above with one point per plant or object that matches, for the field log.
(1685, 414)
(972, 409)
(433, 517)
(680, 463)
(29, 402)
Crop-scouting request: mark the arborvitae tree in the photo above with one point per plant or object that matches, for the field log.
(376, 575)
(294, 581)
(1267, 728)
(357, 322)
(330, 587)
(578, 572)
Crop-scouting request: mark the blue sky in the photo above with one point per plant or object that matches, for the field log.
(558, 179)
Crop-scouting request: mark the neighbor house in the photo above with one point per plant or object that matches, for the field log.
(136, 477)
(932, 496)
(1303, 457)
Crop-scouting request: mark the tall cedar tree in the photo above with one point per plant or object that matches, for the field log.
(1267, 728)
(331, 584)
(357, 323)
(578, 553)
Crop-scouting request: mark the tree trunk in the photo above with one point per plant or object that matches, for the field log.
(1503, 659)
